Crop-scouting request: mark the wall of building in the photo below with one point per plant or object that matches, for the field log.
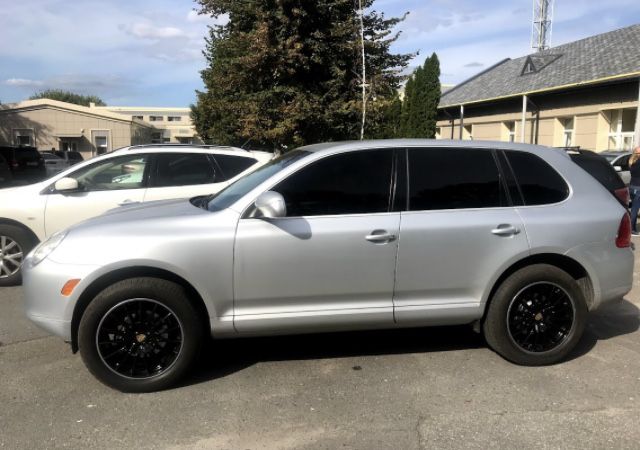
(49, 124)
(589, 108)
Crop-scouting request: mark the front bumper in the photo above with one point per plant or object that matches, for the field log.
(44, 304)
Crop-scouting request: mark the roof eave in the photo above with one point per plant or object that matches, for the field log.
(543, 90)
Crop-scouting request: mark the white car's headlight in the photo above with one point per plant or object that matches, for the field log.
(45, 248)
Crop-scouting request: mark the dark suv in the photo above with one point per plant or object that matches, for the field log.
(5, 172)
(26, 163)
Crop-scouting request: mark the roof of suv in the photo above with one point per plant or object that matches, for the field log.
(383, 143)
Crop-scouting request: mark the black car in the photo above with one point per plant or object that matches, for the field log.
(600, 168)
(25, 163)
(5, 172)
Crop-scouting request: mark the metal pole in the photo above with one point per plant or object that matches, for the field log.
(364, 73)
(461, 120)
(523, 124)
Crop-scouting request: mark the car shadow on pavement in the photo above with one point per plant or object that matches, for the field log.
(614, 319)
(224, 357)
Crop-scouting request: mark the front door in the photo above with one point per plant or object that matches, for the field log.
(458, 233)
(330, 263)
(104, 185)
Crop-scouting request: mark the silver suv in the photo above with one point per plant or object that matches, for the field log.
(516, 240)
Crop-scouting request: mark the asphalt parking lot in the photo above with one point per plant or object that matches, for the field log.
(426, 388)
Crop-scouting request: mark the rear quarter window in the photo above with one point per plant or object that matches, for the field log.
(601, 170)
(233, 165)
(539, 183)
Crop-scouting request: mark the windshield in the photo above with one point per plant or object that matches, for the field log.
(244, 185)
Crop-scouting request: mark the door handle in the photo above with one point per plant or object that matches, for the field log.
(127, 202)
(380, 237)
(505, 229)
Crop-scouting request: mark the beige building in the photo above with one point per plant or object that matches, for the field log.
(50, 124)
(173, 125)
(582, 94)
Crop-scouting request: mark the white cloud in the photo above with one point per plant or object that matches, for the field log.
(148, 31)
(22, 82)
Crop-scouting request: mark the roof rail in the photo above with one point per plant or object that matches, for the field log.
(169, 146)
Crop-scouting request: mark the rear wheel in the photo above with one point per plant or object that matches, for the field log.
(536, 316)
(15, 243)
(140, 335)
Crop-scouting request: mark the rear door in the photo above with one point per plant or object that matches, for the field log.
(182, 175)
(457, 233)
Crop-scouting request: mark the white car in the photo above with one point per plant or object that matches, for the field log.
(29, 214)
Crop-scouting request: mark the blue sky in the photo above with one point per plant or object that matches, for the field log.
(148, 52)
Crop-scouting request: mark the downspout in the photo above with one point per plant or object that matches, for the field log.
(523, 124)
(461, 120)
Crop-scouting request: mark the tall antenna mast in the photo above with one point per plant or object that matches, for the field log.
(542, 19)
(364, 71)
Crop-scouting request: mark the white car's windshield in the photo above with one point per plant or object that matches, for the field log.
(242, 186)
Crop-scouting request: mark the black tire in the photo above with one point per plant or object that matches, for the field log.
(526, 325)
(151, 312)
(25, 242)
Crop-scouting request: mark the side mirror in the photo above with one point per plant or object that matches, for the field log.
(617, 168)
(271, 204)
(66, 184)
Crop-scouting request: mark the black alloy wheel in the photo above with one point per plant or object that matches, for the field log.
(141, 334)
(536, 316)
(540, 317)
(139, 338)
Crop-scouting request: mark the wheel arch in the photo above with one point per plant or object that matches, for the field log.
(134, 272)
(576, 270)
(15, 223)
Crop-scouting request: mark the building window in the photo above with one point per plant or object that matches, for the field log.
(100, 139)
(174, 118)
(621, 128)
(24, 138)
(138, 117)
(511, 131)
(166, 140)
(156, 118)
(568, 131)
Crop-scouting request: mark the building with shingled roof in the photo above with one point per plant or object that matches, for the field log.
(582, 94)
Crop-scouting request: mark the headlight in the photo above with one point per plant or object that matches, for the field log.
(45, 248)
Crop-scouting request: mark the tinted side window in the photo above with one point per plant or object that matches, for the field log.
(350, 183)
(454, 178)
(122, 172)
(539, 183)
(232, 165)
(183, 169)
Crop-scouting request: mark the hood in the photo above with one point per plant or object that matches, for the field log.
(149, 212)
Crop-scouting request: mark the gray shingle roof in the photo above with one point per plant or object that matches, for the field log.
(605, 55)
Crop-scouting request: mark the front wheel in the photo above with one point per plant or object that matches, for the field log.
(536, 316)
(15, 243)
(140, 335)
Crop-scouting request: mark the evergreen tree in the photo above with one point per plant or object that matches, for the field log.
(284, 73)
(420, 104)
(69, 97)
